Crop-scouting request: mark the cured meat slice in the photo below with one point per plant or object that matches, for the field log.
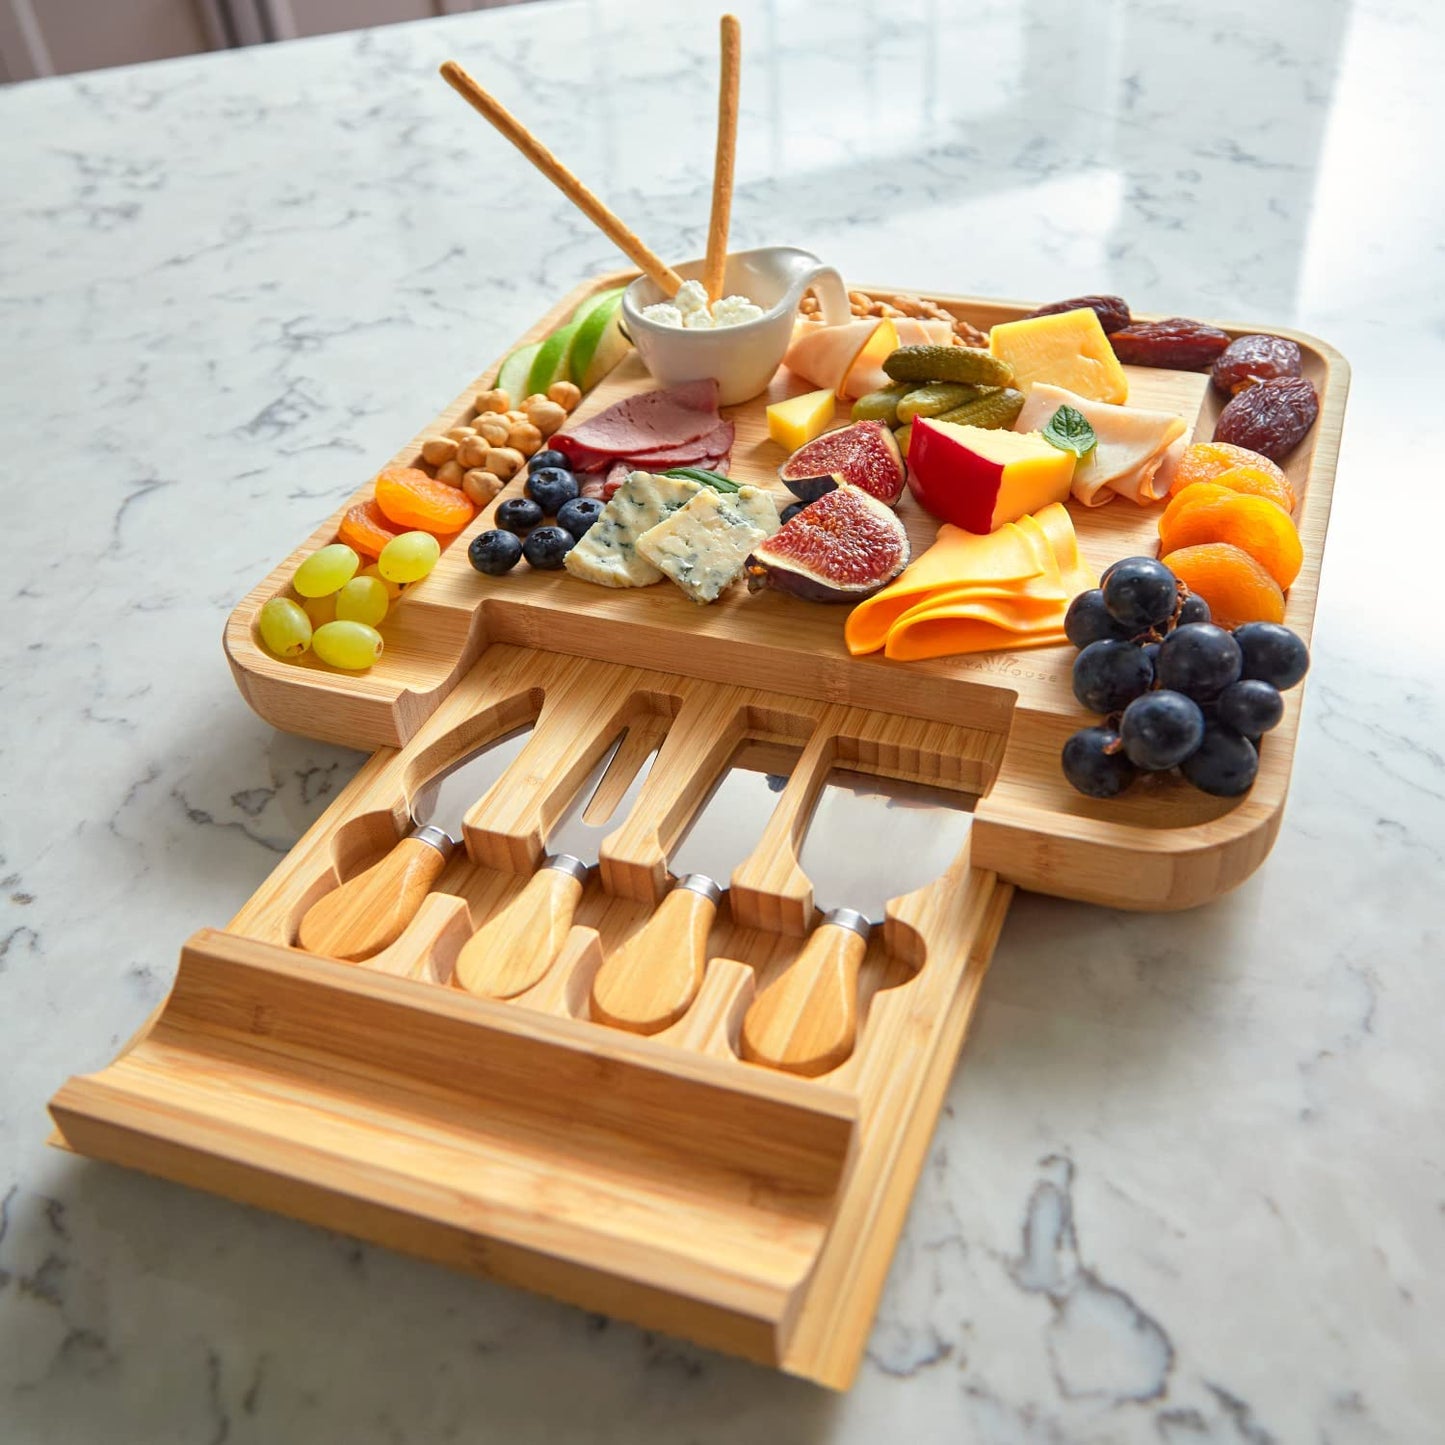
(716, 443)
(651, 421)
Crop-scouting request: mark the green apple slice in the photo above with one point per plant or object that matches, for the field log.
(589, 304)
(612, 346)
(588, 358)
(550, 362)
(513, 372)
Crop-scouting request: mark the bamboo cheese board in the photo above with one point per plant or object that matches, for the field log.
(679, 1176)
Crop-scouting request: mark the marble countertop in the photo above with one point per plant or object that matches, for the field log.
(1190, 1181)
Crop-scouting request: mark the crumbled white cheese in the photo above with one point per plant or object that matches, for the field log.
(691, 296)
(689, 309)
(664, 313)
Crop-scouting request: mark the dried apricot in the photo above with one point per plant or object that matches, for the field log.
(1182, 502)
(410, 499)
(1234, 585)
(1253, 524)
(1204, 461)
(1256, 482)
(366, 528)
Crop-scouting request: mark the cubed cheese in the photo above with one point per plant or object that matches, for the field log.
(978, 478)
(607, 553)
(703, 546)
(1068, 349)
(795, 422)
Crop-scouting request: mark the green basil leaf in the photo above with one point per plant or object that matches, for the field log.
(715, 480)
(1069, 430)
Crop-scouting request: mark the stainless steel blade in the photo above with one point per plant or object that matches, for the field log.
(442, 801)
(871, 839)
(579, 835)
(730, 820)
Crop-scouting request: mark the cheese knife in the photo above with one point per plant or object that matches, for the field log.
(514, 948)
(869, 839)
(367, 913)
(651, 981)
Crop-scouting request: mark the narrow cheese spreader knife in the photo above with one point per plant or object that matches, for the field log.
(514, 948)
(366, 913)
(870, 839)
(651, 981)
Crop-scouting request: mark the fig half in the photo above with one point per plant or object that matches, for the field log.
(842, 548)
(863, 455)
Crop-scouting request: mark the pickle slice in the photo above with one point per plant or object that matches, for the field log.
(948, 363)
(996, 410)
(882, 405)
(938, 397)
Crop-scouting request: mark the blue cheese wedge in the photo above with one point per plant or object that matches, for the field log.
(703, 546)
(607, 553)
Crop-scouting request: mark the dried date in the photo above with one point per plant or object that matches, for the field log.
(1248, 359)
(1270, 417)
(1178, 343)
(1112, 311)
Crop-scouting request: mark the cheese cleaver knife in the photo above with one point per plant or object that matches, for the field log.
(366, 913)
(514, 948)
(870, 839)
(651, 981)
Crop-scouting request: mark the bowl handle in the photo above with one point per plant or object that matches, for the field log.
(832, 294)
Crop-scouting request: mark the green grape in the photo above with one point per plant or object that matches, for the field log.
(363, 599)
(326, 570)
(409, 557)
(285, 628)
(320, 610)
(393, 589)
(352, 645)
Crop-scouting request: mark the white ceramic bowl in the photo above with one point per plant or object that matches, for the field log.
(741, 359)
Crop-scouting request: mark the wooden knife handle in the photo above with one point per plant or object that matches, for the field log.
(368, 912)
(651, 981)
(515, 946)
(806, 1020)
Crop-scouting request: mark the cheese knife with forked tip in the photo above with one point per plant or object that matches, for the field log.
(651, 981)
(870, 839)
(367, 913)
(514, 948)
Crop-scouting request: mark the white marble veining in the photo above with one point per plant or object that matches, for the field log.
(1190, 1182)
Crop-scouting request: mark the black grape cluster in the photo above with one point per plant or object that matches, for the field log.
(1176, 691)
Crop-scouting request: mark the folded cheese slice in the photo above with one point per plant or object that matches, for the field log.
(1131, 450)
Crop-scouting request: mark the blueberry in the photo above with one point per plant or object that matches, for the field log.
(494, 552)
(1088, 620)
(791, 511)
(1251, 706)
(519, 515)
(548, 458)
(1224, 764)
(1110, 674)
(1194, 609)
(1140, 593)
(1160, 730)
(578, 515)
(547, 547)
(551, 488)
(1272, 653)
(1095, 764)
(1199, 659)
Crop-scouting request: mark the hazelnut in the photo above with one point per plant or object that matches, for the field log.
(547, 416)
(480, 486)
(473, 452)
(504, 462)
(450, 473)
(493, 429)
(565, 394)
(436, 450)
(525, 438)
(495, 400)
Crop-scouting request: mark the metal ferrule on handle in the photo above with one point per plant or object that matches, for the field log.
(849, 918)
(437, 838)
(701, 883)
(570, 864)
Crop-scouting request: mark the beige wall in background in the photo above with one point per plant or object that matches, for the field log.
(59, 37)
